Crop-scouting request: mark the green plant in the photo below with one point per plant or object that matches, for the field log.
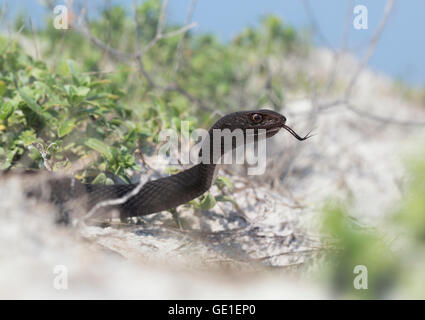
(68, 109)
(395, 269)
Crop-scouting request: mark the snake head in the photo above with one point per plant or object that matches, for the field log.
(269, 120)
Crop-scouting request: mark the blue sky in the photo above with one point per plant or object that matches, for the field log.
(400, 52)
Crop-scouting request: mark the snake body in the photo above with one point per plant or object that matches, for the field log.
(169, 192)
(157, 195)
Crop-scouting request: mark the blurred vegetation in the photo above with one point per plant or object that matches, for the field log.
(394, 262)
(412, 94)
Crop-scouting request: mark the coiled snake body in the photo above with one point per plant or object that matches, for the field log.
(169, 192)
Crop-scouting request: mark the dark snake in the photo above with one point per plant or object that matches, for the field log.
(169, 192)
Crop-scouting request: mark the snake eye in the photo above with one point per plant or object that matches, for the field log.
(257, 118)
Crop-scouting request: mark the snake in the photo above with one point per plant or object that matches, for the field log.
(169, 192)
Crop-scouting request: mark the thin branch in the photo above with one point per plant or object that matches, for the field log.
(3, 11)
(161, 36)
(34, 35)
(338, 53)
(372, 45)
(137, 25)
(315, 25)
(386, 120)
(300, 252)
(345, 101)
(83, 27)
(140, 52)
(44, 152)
(161, 20)
(362, 112)
(180, 45)
(115, 53)
(347, 24)
(160, 28)
(14, 37)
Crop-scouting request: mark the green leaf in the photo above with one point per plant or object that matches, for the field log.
(171, 170)
(65, 128)
(99, 146)
(82, 91)
(2, 88)
(73, 72)
(6, 110)
(6, 158)
(53, 98)
(69, 89)
(100, 179)
(28, 137)
(31, 103)
(222, 182)
(222, 198)
(208, 202)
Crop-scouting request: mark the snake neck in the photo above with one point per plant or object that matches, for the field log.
(164, 193)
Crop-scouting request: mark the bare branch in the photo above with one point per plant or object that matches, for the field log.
(341, 50)
(386, 120)
(14, 37)
(372, 45)
(36, 46)
(362, 112)
(117, 54)
(161, 20)
(44, 151)
(140, 52)
(161, 36)
(345, 101)
(347, 25)
(181, 41)
(3, 10)
(315, 25)
(160, 28)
